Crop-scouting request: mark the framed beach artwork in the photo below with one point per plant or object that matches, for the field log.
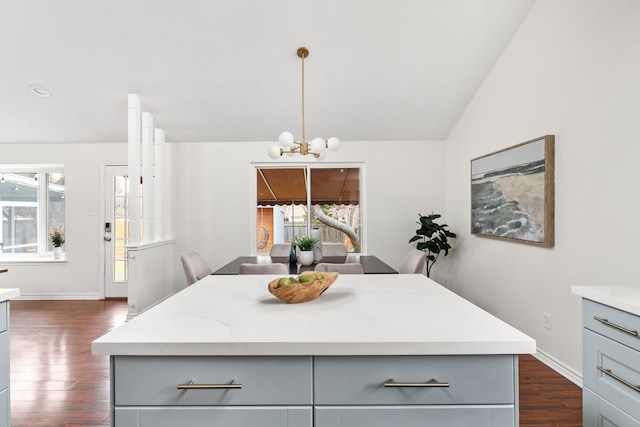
(512, 193)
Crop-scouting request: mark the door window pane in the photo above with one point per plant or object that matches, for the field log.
(120, 228)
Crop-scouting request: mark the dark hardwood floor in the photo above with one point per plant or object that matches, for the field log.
(56, 382)
(546, 397)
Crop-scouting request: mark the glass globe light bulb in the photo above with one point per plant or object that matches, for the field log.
(333, 143)
(317, 145)
(274, 151)
(286, 139)
(321, 156)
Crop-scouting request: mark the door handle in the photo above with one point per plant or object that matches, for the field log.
(431, 383)
(107, 238)
(191, 385)
(615, 326)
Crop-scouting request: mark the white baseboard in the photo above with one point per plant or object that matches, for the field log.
(132, 315)
(559, 367)
(58, 297)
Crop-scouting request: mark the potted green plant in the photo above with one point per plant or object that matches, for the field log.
(57, 241)
(432, 238)
(305, 245)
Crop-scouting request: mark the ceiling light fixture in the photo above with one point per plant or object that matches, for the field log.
(40, 91)
(289, 145)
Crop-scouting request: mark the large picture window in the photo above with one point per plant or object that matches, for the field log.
(293, 200)
(32, 202)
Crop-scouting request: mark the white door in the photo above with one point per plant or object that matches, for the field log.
(116, 264)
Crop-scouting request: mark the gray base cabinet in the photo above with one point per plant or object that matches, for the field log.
(228, 416)
(321, 391)
(5, 413)
(611, 372)
(600, 412)
(413, 416)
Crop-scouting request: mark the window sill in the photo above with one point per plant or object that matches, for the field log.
(44, 260)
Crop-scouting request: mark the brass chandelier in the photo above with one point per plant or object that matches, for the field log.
(288, 144)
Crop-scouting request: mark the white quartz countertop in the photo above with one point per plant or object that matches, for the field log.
(8, 293)
(626, 298)
(399, 314)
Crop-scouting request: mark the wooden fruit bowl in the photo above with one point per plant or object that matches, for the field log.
(302, 292)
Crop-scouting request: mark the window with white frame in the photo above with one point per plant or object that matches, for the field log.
(32, 202)
(294, 200)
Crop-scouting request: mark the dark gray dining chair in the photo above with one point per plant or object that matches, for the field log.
(334, 250)
(342, 268)
(413, 262)
(275, 268)
(195, 267)
(280, 250)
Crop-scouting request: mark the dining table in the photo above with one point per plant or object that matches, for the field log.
(370, 263)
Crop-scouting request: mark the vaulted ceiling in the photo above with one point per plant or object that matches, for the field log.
(227, 70)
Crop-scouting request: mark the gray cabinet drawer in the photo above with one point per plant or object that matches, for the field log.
(4, 359)
(414, 416)
(361, 380)
(613, 317)
(4, 408)
(219, 417)
(4, 316)
(621, 361)
(600, 413)
(140, 380)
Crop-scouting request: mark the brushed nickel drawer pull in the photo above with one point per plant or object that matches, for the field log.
(191, 385)
(431, 383)
(618, 327)
(617, 378)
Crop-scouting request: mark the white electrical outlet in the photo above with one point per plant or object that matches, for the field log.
(546, 320)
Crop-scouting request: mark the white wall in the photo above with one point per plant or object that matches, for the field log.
(212, 202)
(213, 195)
(79, 277)
(571, 70)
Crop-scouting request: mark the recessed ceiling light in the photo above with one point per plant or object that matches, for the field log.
(40, 91)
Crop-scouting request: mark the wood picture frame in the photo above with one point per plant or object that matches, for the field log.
(512, 193)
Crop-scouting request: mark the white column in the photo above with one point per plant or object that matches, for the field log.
(148, 185)
(158, 139)
(134, 156)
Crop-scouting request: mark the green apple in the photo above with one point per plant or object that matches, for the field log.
(286, 281)
(305, 278)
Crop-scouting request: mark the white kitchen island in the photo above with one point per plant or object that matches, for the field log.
(373, 350)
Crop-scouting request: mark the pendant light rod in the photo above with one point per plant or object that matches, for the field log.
(303, 52)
